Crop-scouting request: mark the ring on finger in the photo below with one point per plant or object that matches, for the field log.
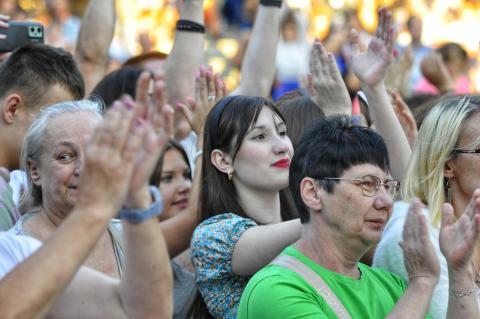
(211, 97)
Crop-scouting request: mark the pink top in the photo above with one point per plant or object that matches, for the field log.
(462, 86)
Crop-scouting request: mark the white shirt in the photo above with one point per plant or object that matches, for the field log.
(14, 249)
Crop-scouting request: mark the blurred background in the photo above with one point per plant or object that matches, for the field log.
(147, 25)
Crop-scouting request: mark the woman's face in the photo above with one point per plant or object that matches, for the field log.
(466, 166)
(175, 183)
(62, 160)
(263, 160)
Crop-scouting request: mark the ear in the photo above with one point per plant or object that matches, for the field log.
(10, 107)
(34, 172)
(449, 170)
(310, 194)
(221, 161)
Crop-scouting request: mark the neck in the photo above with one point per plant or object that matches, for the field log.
(459, 202)
(263, 207)
(56, 217)
(7, 154)
(329, 250)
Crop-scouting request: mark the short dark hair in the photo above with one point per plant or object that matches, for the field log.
(117, 83)
(157, 173)
(328, 148)
(33, 68)
(218, 195)
(300, 112)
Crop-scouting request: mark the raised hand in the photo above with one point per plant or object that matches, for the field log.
(157, 116)
(458, 239)
(420, 259)
(209, 89)
(330, 92)
(110, 156)
(371, 66)
(405, 117)
(435, 71)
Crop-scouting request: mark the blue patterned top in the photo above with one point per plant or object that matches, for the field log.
(212, 247)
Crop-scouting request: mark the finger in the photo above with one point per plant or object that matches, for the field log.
(354, 41)
(333, 67)
(323, 54)
(186, 111)
(387, 25)
(381, 22)
(210, 84)
(447, 215)
(5, 174)
(134, 143)
(201, 86)
(142, 93)
(219, 87)
(167, 118)
(314, 60)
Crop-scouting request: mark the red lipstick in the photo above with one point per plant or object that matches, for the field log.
(283, 163)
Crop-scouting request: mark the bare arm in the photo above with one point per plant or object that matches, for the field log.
(258, 68)
(95, 36)
(457, 243)
(371, 68)
(259, 245)
(103, 185)
(183, 61)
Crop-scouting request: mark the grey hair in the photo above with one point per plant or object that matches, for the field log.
(32, 147)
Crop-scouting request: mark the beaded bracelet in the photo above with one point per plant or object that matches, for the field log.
(189, 26)
(271, 3)
(463, 294)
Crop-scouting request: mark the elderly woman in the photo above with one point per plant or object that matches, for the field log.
(444, 169)
(53, 157)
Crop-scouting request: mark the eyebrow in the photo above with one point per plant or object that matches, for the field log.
(64, 143)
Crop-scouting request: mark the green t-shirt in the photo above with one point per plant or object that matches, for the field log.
(277, 292)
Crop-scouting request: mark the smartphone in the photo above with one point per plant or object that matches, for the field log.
(20, 33)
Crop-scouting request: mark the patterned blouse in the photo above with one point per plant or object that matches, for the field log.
(212, 247)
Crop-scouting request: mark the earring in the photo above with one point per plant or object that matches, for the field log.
(449, 191)
(230, 174)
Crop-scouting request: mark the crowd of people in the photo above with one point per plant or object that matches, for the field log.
(153, 192)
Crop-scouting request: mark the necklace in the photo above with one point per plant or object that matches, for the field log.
(477, 274)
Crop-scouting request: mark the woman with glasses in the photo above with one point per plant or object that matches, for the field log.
(444, 168)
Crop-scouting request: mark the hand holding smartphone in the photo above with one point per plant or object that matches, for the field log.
(19, 33)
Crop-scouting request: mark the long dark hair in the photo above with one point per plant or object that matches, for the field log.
(225, 127)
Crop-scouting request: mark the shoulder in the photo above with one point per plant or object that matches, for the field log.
(277, 292)
(14, 249)
(221, 228)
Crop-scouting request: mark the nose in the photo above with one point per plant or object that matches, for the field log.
(184, 185)
(383, 200)
(282, 145)
(79, 163)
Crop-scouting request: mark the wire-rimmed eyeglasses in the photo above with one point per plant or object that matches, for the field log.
(458, 150)
(370, 184)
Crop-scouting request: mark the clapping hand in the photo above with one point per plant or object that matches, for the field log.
(371, 66)
(157, 117)
(420, 259)
(209, 89)
(329, 90)
(458, 239)
(405, 117)
(110, 154)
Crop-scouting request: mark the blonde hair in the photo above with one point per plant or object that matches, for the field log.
(434, 147)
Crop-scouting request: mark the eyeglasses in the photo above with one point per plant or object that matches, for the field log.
(457, 150)
(370, 184)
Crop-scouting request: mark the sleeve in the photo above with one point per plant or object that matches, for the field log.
(212, 247)
(14, 249)
(278, 297)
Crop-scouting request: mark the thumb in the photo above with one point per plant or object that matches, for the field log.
(447, 215)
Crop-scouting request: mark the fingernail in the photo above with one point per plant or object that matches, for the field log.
(209, 73)
(202, 68)
(395, 53)
(197, 75)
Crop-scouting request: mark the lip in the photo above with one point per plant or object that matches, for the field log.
(378, 221)
(283, 163)
(181, 203)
